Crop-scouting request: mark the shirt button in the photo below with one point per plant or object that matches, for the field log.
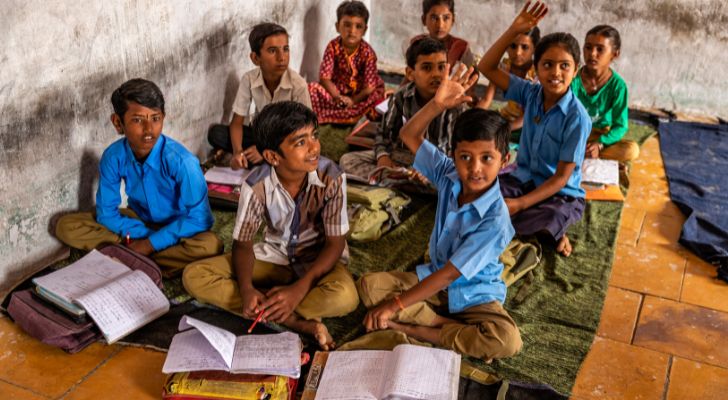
(293, 259)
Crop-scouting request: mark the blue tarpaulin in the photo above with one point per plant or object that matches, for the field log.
(696, 164)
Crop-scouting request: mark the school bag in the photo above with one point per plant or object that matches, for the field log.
(373, 211)
(47, 323)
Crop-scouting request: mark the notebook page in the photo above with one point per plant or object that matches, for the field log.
(598, 171)
(125, 304)
(226, 176)
(190, 351)
(423, 373)
(89, 272)
(276, 354)
(353, 375)
(220, 339)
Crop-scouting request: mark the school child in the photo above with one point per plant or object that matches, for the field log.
(455, 300)
(520, 64)
(270, 81)
(297, 274)
(168, 216)
(603, 93)
(543, 194)
(350, 85)
(426, 64)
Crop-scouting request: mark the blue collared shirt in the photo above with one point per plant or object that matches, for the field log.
(471, 237)
(168, 189)
(547, 138)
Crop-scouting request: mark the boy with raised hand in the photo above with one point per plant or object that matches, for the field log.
(168, 215)
(426, 64)
(270, 81)
(455, 300)
(298, 274)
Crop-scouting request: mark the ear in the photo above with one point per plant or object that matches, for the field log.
(615, 54)
(409, 73)
(336, 26)
(505, 160)
(118, 124)
(365, 29)
(424, 18)
(271, 157)
(255, 58)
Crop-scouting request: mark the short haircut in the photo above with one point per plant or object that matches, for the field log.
(478, 124)
(278, 120)
(535, 35)
(428, 4)
(423, 47)
(608, 32)
(140, 91)
(261, 32)
(562, 39)
(352, 8)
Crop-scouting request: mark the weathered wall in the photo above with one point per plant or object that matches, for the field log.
(674, 52)
(60, 63)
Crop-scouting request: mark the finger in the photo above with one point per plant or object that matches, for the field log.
(447, 73)
(525, 7)
(473, 78)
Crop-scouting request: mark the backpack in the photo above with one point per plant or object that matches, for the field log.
(373, 211)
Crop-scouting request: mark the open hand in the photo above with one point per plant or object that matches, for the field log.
(281, 302)
(451, 92)
(528, 18)
(378, 317)
(592, 150)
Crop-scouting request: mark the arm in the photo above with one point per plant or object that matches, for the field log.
(550, 187)
(243, 258)
(363, 94)
(487, 99)
(524, 21)
(620, 119)
(238, 160)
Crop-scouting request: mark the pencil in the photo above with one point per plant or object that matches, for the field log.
(260, 315)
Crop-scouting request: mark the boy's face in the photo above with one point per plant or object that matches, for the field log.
(439, 21)
(477, 163)
(141, 126)
(520, 52)
(299, 152)
(556, 69)
(274, 55)
(428, 73)
(352, 30)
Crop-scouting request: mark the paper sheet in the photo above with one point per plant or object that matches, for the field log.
(276, 354)
(125, 304)
(382, 107)
(598, 171)
(226, 176)
(88, 273)
(353, 375)
(415, 376)
(190, 351)
(221, 340)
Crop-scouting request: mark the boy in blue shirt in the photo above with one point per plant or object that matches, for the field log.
(168, 215)
(455, 300)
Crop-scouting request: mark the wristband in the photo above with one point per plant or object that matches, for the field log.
(399, 303)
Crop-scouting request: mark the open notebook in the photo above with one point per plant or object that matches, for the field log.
(600, 179)
(226, 176)
(206, 347)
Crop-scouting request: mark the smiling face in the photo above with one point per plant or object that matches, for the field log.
(274, 56)
(352, 30)
(477, 164)
(439, 20)
(299, 152)
(428, 73)
(141, 126)
(598, 53)
(520, 52)
(556, 69)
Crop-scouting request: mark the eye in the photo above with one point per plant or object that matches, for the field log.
(315, 136)
(136, 120)
(426, 68)
(446, 18)
(512, 46)
(488, 158)
(157, 118)
(465, 157)
(565, 65)
(547, 64)
(286, 49)
(441, 67)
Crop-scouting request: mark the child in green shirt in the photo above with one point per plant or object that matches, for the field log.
(603, 93)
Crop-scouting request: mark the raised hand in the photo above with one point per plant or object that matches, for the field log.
(528, 18)
(451, 92)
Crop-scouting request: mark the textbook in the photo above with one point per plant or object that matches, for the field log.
(205, 347)
(118, 299)
(407, 372)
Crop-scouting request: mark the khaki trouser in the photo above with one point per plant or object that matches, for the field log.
(213, 281)
(622, 151)
(486, 331)
(81, 231)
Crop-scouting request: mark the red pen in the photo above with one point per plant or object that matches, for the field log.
(128, 239)
(257, 319)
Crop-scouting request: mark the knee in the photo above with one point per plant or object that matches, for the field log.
(507, 344)
(364, 287)
(68, 223)
(195, 276)
(209, 244)
(632, 151)
(344, 296)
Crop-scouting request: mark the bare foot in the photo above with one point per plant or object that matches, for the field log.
(563, 247)
(314, 328)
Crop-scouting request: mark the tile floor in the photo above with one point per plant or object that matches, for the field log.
(662, 335)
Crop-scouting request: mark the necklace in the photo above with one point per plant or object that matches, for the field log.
(593, 83)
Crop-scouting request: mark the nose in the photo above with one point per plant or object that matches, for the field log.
(147, 125)
(440, 23)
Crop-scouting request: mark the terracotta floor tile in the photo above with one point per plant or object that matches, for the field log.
(136, 371)
(615, 370)
(684, 330)
(702, 288)
(619, 314)
(692, 380)
(661, 229)
(9, 391)
(31, 364)
(630, 226)
(648, 268)
(651, 202)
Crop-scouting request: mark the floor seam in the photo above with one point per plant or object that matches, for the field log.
(667, 378)
(88, 375)
(11, 383)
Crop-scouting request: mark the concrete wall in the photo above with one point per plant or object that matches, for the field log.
(60, 63)
(674, 52)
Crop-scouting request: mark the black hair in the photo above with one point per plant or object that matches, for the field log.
(423, 47)
(608, 32)
(261, 32)
(478, 124)
(428, 4)
(278, 120)
(352, 8)
(562, 39)
(535, 35)
(140, 91)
